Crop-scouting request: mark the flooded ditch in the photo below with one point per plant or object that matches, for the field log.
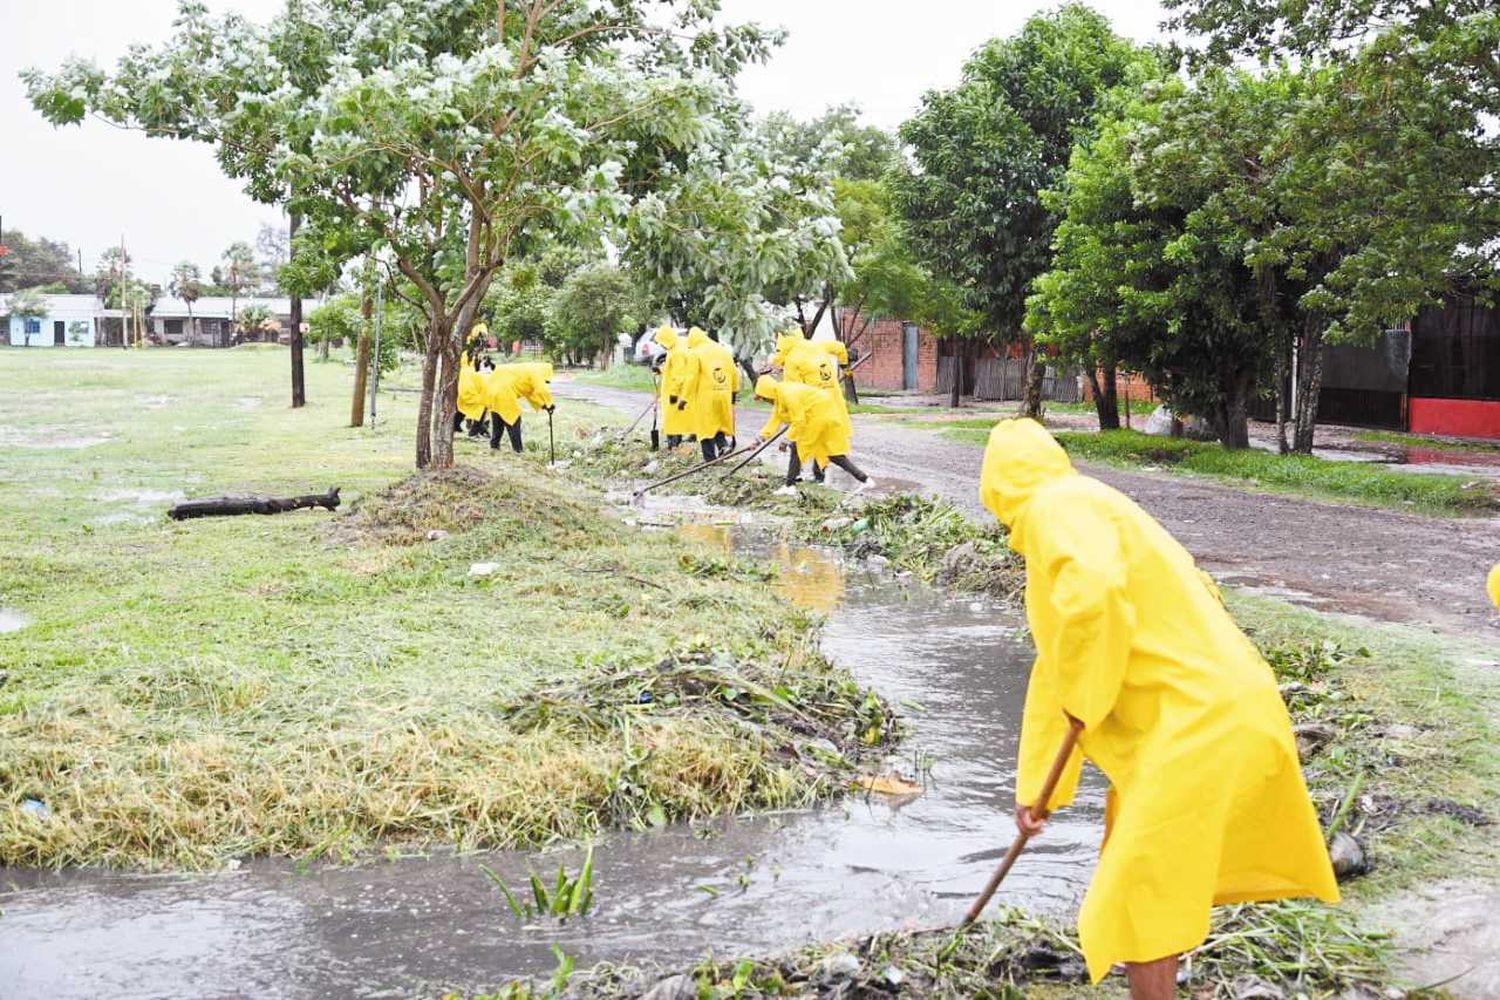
(414, 926)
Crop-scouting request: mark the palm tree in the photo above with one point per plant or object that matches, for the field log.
(187, 285)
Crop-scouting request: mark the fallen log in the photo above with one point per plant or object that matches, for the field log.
(229, 506)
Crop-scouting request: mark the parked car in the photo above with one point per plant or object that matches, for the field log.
(647, 350)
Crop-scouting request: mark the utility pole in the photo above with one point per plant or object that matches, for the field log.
(120, 296)
(299, 385)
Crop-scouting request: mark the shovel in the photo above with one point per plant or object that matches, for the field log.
(1039, 810)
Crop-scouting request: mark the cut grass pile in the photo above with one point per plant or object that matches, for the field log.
(1360, 482)
(311, 685)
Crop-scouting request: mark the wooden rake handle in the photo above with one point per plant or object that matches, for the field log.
(1038, 810)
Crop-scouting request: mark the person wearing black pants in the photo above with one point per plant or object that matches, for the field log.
(794, 468)
(513, 430)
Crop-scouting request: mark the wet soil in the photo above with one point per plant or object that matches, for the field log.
(761, 885)
(1382, 564)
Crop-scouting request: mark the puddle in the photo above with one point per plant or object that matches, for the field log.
(48, 437)
(144, 507)
(12, 620)
(394, 928)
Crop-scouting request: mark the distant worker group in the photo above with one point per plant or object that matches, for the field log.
(699, 380)
(490, 396)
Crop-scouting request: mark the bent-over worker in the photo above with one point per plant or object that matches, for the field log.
(505, 387)
(813, 426)
(1207, 803)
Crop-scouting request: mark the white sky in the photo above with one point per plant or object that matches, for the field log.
(92, 184)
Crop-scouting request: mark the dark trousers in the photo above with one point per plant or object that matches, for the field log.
(476, 427)
(514, 430)
(713, 447)
(794, 467)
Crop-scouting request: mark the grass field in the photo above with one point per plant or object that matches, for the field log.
(314, 684)
(1358, 482)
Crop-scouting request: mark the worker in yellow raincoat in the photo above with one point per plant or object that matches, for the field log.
(709, 382)
(817, 432)
(675, 422)
(1494, 585)
(506, 387)
(1207, 803)
(471, 383)
(814, 363)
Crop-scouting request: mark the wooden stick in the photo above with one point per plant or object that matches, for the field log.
(1039, 811)
(228, 506)
(756, 453)
(691, 472)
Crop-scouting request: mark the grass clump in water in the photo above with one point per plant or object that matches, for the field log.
(1294, 949)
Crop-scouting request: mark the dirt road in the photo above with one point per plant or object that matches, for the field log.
(1383, 564)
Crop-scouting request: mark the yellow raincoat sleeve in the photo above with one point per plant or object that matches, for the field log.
(774, 424)
(1494, 585)
(1085, 644)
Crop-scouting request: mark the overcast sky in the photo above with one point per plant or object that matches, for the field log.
(93, 184)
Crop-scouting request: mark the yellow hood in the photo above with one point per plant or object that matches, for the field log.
(697, 338)
(786, 343)
(667, 337)
(1020, 459)
(767, 388)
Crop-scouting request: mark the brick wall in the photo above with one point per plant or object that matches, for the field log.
(1127, 386)
(883, 341)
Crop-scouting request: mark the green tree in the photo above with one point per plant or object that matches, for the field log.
(27, 304)
(984, 151)
(593, 306)
(241, 274)
(187, 285)
(34, 262)
(449, 134)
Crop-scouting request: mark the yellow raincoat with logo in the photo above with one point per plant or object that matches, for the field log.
(710, 380)
(1207, 803)
(812, 418)
(675, 420)
(1494, 586)
(507, 385)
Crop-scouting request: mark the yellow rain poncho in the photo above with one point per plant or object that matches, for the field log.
(710, 380)
(811, 415)
(1494, 586)
(786, 342)
(470, 389)
(675, 420)
(1207, 803)
(507, 385)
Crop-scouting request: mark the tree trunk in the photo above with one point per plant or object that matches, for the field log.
(1034, 376)
(299, 382)
(361, 365)
(1282, 446)
(1309, 385)
(958, 373)
(424, 400)
(1234, 420)
(1107, 396)
(447, 406)
(231, 506)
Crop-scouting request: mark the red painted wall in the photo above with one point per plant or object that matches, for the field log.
(1458, 417)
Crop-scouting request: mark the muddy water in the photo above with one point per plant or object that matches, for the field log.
(414, 926)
